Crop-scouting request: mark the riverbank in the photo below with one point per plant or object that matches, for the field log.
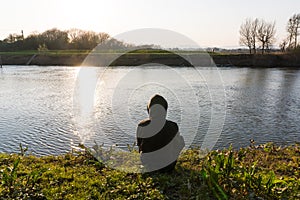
(257, 172)
(133, 59)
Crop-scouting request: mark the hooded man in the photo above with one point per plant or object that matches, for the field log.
(158, 139)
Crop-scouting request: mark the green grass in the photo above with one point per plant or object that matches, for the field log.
(257, 172)
(48, 52)
(85, 52)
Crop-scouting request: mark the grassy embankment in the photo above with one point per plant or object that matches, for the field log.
(257, 172)
(76, 57)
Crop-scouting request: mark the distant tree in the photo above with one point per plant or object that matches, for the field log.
(9, 39)
(32, 41)
(55, 39)
(293, 27)
(13, 38)
(114, 44)
(103, 37)
(245, 35)
(254, 28)
(74, 33)
(265, 34)
(85, 39)
(13, 42)
(248, 34)
(283, 45)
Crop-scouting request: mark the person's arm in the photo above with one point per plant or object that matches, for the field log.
(180, 140)
(138, 138)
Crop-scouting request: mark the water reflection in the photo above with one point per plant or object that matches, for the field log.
(262, 106)
(83, 101)
(122, 97)
(35, 109)
(284, 109)
(36, 106)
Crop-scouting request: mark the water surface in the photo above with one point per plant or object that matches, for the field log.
(37, 105)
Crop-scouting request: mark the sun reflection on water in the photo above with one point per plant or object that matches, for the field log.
(86, 81)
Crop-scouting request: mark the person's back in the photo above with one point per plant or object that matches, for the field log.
(158, 139)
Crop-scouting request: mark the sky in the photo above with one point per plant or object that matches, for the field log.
(210, 23)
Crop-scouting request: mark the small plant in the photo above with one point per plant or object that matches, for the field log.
(42, 48)
(213, 169)
(9, 176)
(131, 148)
(248, 173)
(33, 178)
(23, 150)
(17, 184)
(270, 183)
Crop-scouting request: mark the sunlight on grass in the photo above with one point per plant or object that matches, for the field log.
(257, 172)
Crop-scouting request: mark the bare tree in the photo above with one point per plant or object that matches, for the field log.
(81, 39)
(74, 33)
(247, 34)
(265, 34)
(254, 28)
(13, 38)
(290, 30)
(293, 27)
(283, 45)
(297, 26)
(270, 34)
(55, 39)
(103, 37)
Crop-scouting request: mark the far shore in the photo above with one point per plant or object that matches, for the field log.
(135, 59)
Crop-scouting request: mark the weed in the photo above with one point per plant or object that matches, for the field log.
(258, 172)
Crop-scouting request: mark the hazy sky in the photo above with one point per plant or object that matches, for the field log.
(209, 22)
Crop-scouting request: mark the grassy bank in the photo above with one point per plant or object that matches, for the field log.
(257, 172)
(76, 57)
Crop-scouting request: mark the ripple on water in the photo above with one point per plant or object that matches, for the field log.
(36, 109)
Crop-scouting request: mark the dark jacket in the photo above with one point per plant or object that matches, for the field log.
(157, 141)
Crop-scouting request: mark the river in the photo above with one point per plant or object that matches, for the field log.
(53, 109)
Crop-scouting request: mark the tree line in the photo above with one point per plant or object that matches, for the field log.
(55, 39)
(259, 35)
(73, 39)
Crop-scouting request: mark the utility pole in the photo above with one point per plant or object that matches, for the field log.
(22, 33)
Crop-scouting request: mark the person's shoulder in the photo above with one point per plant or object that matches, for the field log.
(144, 122)
(172, 124)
